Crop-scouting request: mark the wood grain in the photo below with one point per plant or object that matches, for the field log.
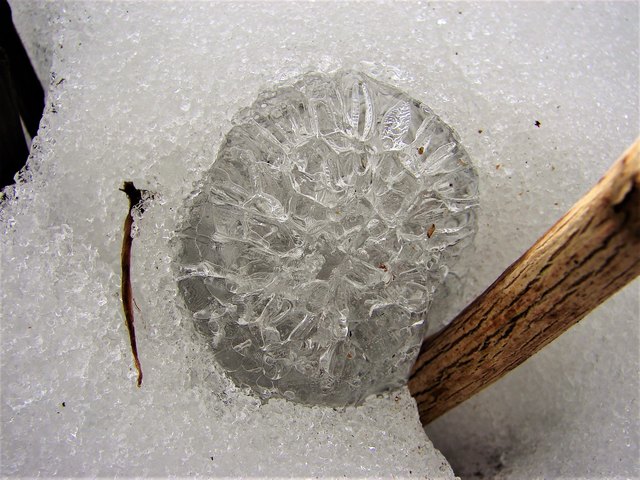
(587, 256)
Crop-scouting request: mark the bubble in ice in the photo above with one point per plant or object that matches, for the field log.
(312, 248)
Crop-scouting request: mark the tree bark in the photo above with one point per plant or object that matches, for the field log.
(587, 256)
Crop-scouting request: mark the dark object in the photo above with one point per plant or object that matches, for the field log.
(21, 97)
(13, 146)
(135, 201)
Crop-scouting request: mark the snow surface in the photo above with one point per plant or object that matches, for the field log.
(148, 93)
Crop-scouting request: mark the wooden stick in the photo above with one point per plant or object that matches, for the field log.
(587, 256)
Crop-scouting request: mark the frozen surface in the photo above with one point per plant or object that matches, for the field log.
(148, 94)
(332, 213)
(121, 108)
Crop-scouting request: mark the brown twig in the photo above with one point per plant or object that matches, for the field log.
(587, 256)
(135, 201)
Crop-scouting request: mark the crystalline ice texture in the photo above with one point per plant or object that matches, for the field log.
(314, 245)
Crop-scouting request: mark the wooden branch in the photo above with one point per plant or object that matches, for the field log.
(588, 255)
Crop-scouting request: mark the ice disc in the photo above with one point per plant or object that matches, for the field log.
(312, 248)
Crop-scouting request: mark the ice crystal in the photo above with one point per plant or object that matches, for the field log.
(312, 249)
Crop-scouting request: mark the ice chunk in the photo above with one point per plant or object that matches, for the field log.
(325, 303)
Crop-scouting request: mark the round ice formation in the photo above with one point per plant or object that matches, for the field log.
(312, 249)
